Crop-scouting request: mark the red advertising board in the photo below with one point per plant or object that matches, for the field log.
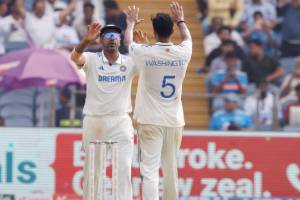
(209, 165)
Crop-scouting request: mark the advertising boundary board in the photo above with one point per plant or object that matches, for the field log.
(46, 163)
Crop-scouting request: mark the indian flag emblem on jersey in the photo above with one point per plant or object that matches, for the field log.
(123, 68)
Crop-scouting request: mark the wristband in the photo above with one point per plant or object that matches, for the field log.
(179, 22)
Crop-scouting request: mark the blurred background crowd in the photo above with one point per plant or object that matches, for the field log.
(253, 72)
(251, 48)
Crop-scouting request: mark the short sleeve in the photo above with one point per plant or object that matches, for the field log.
(135, 49)
(187, 47)
(216, 79)
(87, 58)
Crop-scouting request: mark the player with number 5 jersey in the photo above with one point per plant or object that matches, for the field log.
(158, 109)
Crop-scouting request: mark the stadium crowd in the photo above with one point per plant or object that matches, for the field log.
(253, 75)
(251, 48)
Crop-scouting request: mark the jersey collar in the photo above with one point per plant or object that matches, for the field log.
(118, 61)
(164, 44)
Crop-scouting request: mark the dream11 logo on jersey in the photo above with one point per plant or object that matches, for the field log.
(14, 170)
(68, 163)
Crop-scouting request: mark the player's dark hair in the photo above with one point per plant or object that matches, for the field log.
(162, 25)
(258, 14)
(231, 55)
(256, 42)
(88, 5)
(111, 4)
(228, 42)
(224, 28)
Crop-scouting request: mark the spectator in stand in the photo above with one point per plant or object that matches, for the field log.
(216, 24)
(52, 5)
(12, 27)
(37, 22)
(287, 89)
(65, 34)
(219, 62)
(291, 29)
(268, 10)
(114, 15)
(260, 106)
(98, 11)
(262, 30)
(231, 118)
(230, 10)
(215, 60)
(82, 25)
(259, 66)
(2, 121)
(3, 8)
(230, 80)
(213, 40)
(63, 114)
(202, 8)
(3, 11)
(290, 105)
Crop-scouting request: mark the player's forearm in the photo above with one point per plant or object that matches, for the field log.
(128, 38)
(184, 31)
(76, 55)
(67, 11)
(82, 45)
(278, 73)
(20, 8)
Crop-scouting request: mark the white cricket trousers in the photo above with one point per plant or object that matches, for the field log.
(159, 145)
(116, 128)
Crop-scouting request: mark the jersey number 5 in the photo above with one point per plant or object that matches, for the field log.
(169, 88)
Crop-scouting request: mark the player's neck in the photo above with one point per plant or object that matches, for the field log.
(163, 40)
(111, 56)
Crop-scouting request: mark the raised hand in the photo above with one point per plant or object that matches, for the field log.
(176, 12)
(93, 32)
(133, 15)
(140, 37)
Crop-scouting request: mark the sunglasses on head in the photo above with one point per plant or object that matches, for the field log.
(112, 36)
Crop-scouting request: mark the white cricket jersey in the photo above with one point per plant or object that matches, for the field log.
(162, 69)
(108, 86)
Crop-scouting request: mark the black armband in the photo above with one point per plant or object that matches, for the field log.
(179, 22)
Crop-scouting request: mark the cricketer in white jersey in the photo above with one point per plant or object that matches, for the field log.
(158, 111)
(108, 101)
